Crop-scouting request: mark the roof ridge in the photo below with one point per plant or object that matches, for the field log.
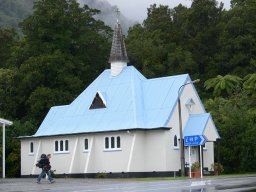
(137, 103)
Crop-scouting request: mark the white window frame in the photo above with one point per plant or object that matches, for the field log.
(110, 146)
(58, 147)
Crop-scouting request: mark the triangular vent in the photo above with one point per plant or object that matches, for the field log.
(98, 102)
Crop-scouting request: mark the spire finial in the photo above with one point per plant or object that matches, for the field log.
(118, 55)
(117, 14)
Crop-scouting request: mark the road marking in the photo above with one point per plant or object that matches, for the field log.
(200, 183)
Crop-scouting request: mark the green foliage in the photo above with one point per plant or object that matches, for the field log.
(19, 128)
(223, 85)
(195, 166)
(217, 167)
(236, 120)
(101, 175)
(63, 49)
(250, 84)
(8, 38)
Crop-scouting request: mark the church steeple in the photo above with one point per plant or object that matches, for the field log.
(118, 55)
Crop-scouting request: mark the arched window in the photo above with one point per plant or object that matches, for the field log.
(31, 147)
(118, 142)
(56, 146)
(61, 145)
(106, 142)
(66, 145)
(112, 142)
(86, 144)
(175, 141)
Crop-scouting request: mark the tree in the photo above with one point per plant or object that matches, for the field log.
(223, 85)
(63, 50)
(238, 38)
(250, 84)
(8, 38)
(202, 29)
(236, 121)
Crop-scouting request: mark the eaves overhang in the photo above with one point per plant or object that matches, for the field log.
(96, 132)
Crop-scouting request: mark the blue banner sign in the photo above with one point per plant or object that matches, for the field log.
(194, 140)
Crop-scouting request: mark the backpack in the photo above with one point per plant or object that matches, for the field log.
(39, 165)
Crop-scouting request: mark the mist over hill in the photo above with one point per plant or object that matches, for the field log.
(14, 11)
(108, 14)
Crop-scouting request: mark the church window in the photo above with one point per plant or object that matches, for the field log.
(190, 104)
(56, 146)
(61, 146)
(31, 150)
(106, 142)
(113, 143)
(175, 142)
(66, 145)
(118, 143)
(86, 144)
(98, 101)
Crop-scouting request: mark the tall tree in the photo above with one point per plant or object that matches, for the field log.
(237, 53)
(8, 37)
(64, 48)
(202, 34)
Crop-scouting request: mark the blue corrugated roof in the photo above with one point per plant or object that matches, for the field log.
(132, 101)
(197, 124)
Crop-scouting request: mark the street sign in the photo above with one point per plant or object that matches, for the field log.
(194, 140)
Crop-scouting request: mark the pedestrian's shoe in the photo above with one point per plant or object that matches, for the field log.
(52, 181)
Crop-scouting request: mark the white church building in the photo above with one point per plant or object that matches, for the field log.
(123, 125)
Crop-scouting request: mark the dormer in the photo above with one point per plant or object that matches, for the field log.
(99, 101)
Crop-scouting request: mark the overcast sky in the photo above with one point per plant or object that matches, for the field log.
(137, 9)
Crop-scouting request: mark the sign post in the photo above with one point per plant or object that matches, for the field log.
(195, 140)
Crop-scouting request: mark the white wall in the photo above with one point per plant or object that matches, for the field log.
(174, 156)
(140, 151)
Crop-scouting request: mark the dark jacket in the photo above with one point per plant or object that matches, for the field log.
(45, 164)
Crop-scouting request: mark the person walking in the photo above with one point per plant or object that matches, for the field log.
(44, 163)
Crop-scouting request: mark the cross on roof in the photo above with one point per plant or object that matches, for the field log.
(117, 14)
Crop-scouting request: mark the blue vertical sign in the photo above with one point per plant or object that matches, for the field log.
(194, 140)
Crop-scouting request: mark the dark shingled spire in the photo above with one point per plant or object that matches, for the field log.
(118, 50)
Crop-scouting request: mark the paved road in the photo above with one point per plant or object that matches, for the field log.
(233, 184)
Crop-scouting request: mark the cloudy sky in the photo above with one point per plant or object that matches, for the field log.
(137, 9)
